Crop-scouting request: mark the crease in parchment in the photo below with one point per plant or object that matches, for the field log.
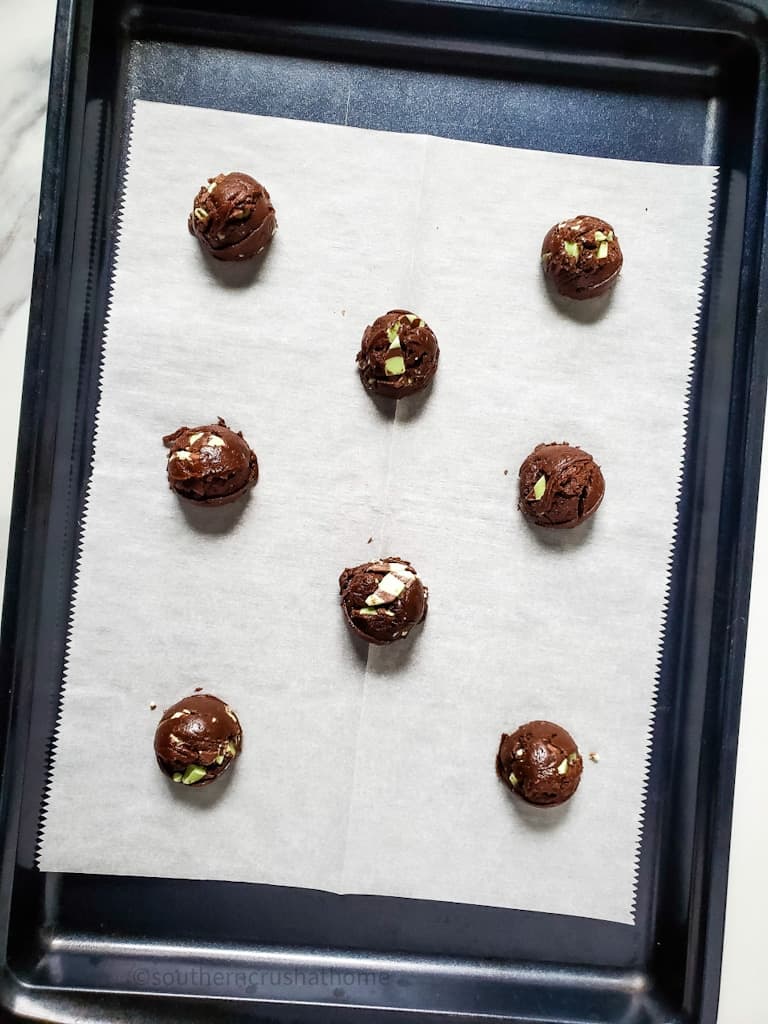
(407, 298)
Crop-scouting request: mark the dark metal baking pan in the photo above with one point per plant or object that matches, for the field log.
(680, 82)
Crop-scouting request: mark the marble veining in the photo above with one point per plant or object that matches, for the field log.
(27, 32)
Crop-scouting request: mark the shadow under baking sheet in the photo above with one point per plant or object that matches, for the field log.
(216, 519)
(200, 798)
(236, 273)
(391, 659)
(581, 311)
(562, 540)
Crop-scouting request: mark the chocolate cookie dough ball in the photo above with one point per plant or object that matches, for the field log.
(560, 486)
(540, 762)
(233, 217)
(383, 600)
(398, 355)
(210, 465)
(197, 739)
(581, 257)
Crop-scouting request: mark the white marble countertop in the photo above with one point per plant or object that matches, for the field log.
(27, 30)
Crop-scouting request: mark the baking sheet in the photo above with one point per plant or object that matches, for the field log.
(372, 771)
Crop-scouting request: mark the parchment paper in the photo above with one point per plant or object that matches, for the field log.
(373, 771)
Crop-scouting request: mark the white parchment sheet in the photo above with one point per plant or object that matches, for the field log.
(373, 772)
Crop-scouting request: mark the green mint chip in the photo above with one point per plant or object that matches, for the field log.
(394, 366)
(192, 774)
